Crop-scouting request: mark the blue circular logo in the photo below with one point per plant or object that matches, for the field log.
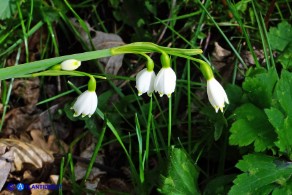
(10, 186)
(20, 186)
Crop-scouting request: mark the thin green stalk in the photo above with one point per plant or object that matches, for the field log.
(9, 92)
(115, 132)
(60, 181)
(189, 105)
(23, 31)
(30, 14)
(148, 131)
(155, 140)
(223, 35)
(261, 26)
(169, 122)
(140, 150)
(268, 43)
(246, 35)
(95, 152)
(19, 41)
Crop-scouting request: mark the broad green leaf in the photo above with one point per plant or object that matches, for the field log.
(259, 87)
(182, 175)
(284, 91)
(262, 175)
(282, 122)
(281, 40)
(285, 58)
(252, 126)
(280, 36)
(8, 7)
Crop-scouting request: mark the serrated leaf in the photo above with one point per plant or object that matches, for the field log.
(281, 36)
(285, 58)
(252, 126)
(182, 175)
(281, 40)
(284, 91)
(282, 122)
(8, 7)
(260, 86)
(262, 174)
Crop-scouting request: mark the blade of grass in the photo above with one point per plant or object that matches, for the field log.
(140, 149)
(9, 91)
(223, 34)
(95, 152)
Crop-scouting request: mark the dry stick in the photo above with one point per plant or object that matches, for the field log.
(269, 13)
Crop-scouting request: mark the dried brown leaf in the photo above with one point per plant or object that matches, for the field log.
(6, 159)
(102, 40)
(25, 153)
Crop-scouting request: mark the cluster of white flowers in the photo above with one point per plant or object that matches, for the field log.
(146, 82)
(163, 83)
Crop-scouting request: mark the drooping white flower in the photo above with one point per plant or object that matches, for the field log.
(145, 81)
(216, 94)
(71, 64)
(85, 104)
(165, 81)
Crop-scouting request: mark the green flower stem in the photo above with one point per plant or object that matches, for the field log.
(165, 60)
(63, 73)
(206, 70)
(91, 84)
(148, 47)
(150, 63)
(31, 67)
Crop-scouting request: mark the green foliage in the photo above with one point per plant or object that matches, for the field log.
(281, 116)
(262, 175)
(259, 86)
(281, 40)
(182, 175)
(252, 126)
(8, 7)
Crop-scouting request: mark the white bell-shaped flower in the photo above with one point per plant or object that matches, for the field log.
(216, 94)
(145, 81)
(85, 104)
(165, 82)
(71, 64)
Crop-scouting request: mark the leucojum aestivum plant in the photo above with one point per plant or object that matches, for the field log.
(164, 83)
(146, 80)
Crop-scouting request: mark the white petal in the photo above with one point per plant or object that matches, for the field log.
(165, 81)
(85, 104)
(216, 94)
(145, 81)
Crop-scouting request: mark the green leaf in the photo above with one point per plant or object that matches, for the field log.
(281, 40)
(281, 36)
(284, 91)
(8, 8)
(259, 86)
(262, 175)
(286, 57)
(182, 175)
(281, 118)
(252, 126)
